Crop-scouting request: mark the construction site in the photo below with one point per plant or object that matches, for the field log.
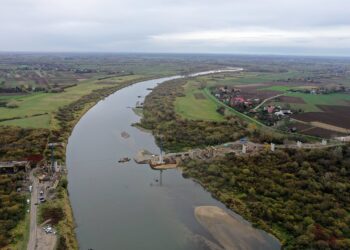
(240, 147)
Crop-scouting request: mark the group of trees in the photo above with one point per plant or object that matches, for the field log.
(12, 206)
(19, 143)
(16, 144)
(301, 196)
(177, 133)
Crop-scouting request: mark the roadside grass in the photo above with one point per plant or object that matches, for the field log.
(189, 107)
(39, 103)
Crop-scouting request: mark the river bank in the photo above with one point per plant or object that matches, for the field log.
(230, 232)
(77, 110)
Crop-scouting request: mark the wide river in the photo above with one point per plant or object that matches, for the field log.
(123, 206)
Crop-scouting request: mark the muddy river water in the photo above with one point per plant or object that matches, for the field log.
(123, 206)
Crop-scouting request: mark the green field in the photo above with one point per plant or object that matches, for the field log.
(42, 121)
(40, 103)
(190, 107)
(311, 100)
(247, 78)
(277, 88)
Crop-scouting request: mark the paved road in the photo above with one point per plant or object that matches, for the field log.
(33, 213)
(267, 99)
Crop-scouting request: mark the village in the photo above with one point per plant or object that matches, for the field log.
(253, 106)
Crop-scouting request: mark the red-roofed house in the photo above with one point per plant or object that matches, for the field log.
(236, 100)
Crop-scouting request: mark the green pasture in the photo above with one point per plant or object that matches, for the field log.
(39, 103)
(311, 101)
(189, 107)
(247, 78)
(42, 121)
(277, 88)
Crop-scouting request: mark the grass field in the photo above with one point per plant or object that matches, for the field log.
(248, 78)
(277, 88)
(42, 121)
(40, 103)
(190, 107)
(311, 101)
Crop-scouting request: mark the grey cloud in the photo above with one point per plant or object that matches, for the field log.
(121, 25)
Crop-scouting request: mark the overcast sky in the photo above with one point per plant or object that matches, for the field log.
(311, 27)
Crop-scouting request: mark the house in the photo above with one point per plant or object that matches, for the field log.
(270, 109)
(236, 100)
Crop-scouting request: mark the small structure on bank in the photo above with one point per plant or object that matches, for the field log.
(12, 167)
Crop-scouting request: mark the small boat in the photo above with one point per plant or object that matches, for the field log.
(124, 159)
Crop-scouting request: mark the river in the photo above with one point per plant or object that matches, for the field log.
(123, 206)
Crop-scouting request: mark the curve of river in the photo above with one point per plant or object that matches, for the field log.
(123, 206)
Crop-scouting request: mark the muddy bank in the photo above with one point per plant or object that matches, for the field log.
(230, 232)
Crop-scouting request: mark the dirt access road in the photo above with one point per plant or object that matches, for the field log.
(33, 212)
(38, 239)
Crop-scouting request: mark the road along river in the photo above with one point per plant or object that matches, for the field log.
(123, 206)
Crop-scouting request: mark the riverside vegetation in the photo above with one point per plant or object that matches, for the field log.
(46, 111)
(16, 143)
(300, 196)
(19, 143)
(33, 114)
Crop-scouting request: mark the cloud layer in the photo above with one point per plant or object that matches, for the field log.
(224, 26)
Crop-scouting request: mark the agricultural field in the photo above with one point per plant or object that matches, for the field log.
(195, 104)
(35, 110)
(33, 87)
(316, 98)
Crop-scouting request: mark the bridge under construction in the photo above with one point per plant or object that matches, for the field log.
(240, 147)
